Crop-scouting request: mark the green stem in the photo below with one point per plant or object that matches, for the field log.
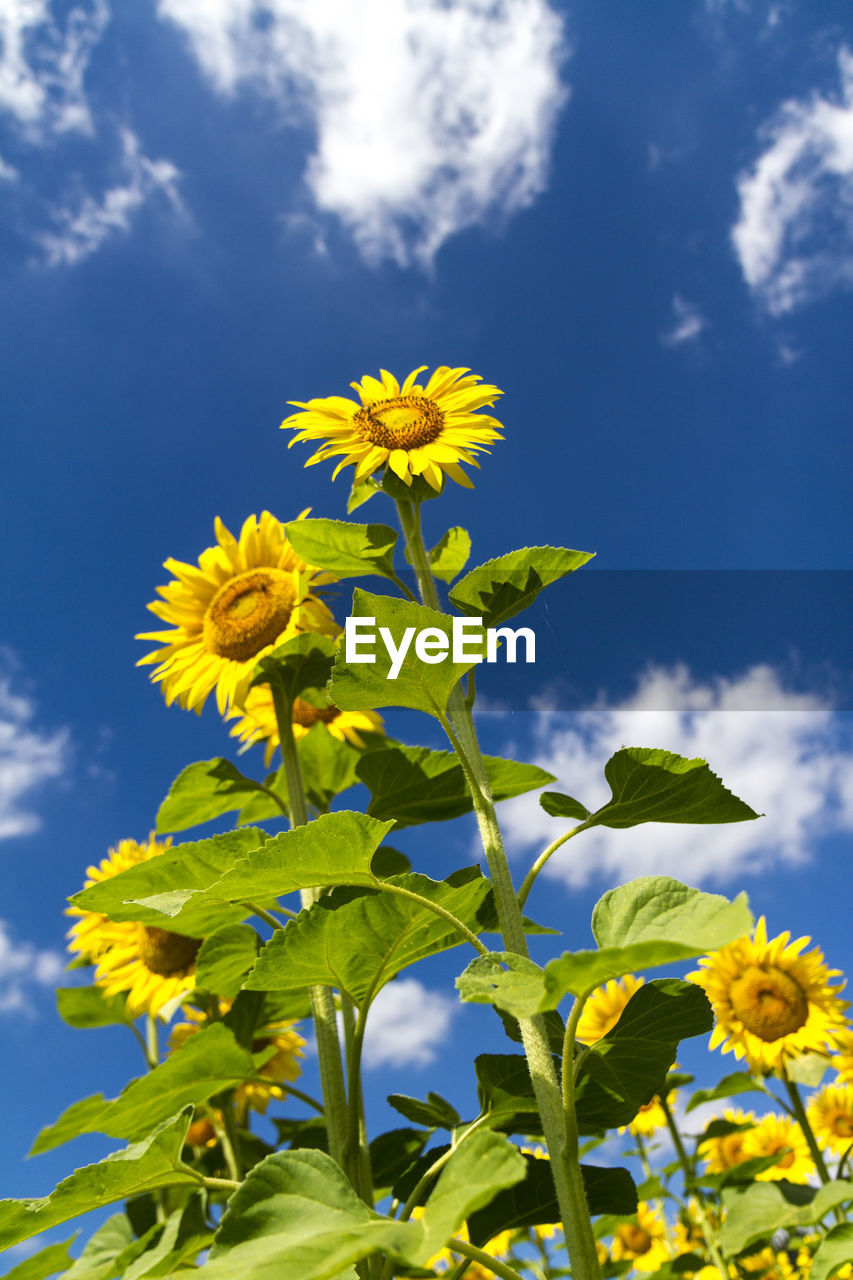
(267, 916)
(529, 879)
(647, 1173)
(808, 1133)
(438, 910)
(459, 726)
(227, 1134)
(152, 1044)
(286, 1087)
(356, 1150)
(486, 1260)
(690, 1184)
(322, 998)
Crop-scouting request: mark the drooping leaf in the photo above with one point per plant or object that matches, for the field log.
(422, 686)
(85, 1007)
(414, 784)
(154, 1162)
(299, 664)
(225, 958)
(209, 1061)
(49, 1261)
(559, 805)
(505, 979)
(450, 554)
(834, 1250)
(336, 848)
(205, 790)
(348, 549)
(755, 1211)
(729, 1087)
(436, 1111)
(358, 943)
(501, 588)
(362, 491)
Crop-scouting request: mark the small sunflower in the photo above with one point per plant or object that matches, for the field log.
(246, 596)
(843, 1063)
(650, 1118)
(642, 1240)
(772, 1001)
(723, 1153)
(604, 1008)
(773, 1134)
(151, 965)
(256, 721)
(830, 1114)
(415, 430)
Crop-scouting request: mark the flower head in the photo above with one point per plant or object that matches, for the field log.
(256, 721)
(413, 429)
(772, 1000)
(830, 1114)
(246, 596)
(724, 1152)
(151, 965)
(642, 1239)
(604, 1007)
(779, 1134)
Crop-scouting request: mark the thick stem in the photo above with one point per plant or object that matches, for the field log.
(356, 1151)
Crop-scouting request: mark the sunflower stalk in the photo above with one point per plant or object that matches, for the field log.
(708, 1232)
(562, 1146)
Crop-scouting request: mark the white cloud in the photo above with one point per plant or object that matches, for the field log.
(83, 226)
(43, 63)
(688, 322)
(783, 753)
(28, 758)
(23, 969)
(794, 235)
(430, 116)
(407, 1025)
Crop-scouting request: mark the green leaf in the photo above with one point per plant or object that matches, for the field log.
(154, 1162)
(754, 1212)
(299, 664)
(834, 1250)
(358, 943)
(559, 805)
(808, 1069)
(729, 1087)
(209, 1061)
(50, 1260)
(362, 491)
(501, 588)
(436, 1112)
(482, 1165)
(422, 686)
(506, 1091)
(185, 867)
(100, 1258)
(85, 1007)
(505, 979)
(651, 785)
(450, 554)
(182, 1238)
(336, 848)
(225, 958)
(328, 765)
(204, 791)
(413, 784)
(392, 1153)
(348, 549)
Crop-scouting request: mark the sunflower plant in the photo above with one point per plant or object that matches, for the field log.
(587, 1156)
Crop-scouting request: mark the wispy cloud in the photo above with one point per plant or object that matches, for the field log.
(82, 226)
(28, 758)
(23, 970)
(794, 235)
(407, 1025)
(782, 752)
(430, 117)
(687, 323)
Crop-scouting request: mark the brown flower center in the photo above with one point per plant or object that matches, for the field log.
(769, 1002)
(842, 1125)
(731, 1150)
(166, 953)
(635, 1238)
(200, 1133)
(249, 612)
(404, 422)
(306, 715)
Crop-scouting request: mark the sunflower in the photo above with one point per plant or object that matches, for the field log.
(415, 430)
(780, 1134)
(843, 1042)
(830, 1114)
(723, 1153)
(604, 1008)
(643, 1240)
(151, 965)
(246, 596)
(283, 1066)
(445, 1260)
(256, 721)
(771, 1001)
(650, 1118)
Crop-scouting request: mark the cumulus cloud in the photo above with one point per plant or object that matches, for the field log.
(407, 1025)
(23, 969)
(83, 226)
(430, 117)
(28, 758)
(794, 235)
(784, 753)
(688, 322)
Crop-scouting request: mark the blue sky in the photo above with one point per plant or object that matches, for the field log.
(635, 219)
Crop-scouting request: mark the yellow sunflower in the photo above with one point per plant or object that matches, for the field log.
(499, 1246)
(772, 1134)
(650, 1118)
(246, 596)
(415, 430)
(771, 1000)
(642, 1240)
(151, 965)
(256, 721)
(283, 1066)
(843, 1042)
(830, 1114)
(726, 1151)
(604, 1008)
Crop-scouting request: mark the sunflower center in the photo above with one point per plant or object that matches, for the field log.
(842, 1125)
(249, 612)
(769, 1002)
(404, 422)
(731, 1149)
(166, 953)
(306, 715)
(635, 1238)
